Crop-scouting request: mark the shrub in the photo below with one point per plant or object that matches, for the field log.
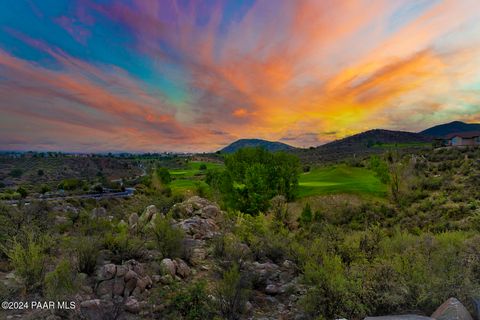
(189, 303)
(28, 259)
(60, 282)
(168, 238)
(203, 166)
(232, 294)
(124, 245)
(332, 294)
(23, 193)
(229, 248)
(86, 254)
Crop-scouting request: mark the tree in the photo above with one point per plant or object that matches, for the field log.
(164, 175)
(306, 216)
(253, 176)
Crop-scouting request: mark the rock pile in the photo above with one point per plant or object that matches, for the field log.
(117, 284)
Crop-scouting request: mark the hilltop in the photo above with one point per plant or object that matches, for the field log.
(452, 127)
(267, 145)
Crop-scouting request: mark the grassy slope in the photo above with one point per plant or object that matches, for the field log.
(340, 179)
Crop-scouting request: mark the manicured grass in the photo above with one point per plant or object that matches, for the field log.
(188, 179)
(340, 179)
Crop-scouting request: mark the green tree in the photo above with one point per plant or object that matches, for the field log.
(164, 175)
(306, 216)
(253, 176)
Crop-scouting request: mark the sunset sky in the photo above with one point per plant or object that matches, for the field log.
(168, 75)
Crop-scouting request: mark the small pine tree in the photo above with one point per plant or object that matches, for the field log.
(306, 215)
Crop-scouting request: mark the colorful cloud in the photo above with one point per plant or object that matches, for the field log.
(194, 75)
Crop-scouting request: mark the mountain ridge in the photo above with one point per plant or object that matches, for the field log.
(268, 145)
(445, 129)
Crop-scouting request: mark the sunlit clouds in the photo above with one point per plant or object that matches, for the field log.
(195, 75)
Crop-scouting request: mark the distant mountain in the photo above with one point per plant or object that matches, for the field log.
(363, 144)
(268, 145)
(374, 137)
(453, 127)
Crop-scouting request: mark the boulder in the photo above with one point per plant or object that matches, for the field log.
(133, 220)
(107, 272)
(130, 275)
(132, 305)
(210, 212)
(272, 289)
(183, 270)
(452, 309)
(130, 285)
(99, 212)
(121, 271)
(199, 228)
(476, 307)
(135, 266)
(147, 215)
(144, 283)
(61, 220)
(198, 255)
(105, 289)
(168, 267)
(118, 287)
(400, 317)
(96, 309)
(195, 206)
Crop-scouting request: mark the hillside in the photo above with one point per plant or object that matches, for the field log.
(368, 142)
(268, 145)
(452, 127)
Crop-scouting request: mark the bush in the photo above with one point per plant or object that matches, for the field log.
(228, 248)
(60, 282)
(86, 254)
(332, 294)
(232, 294)
(190, 302)
(23, 193)
(167, 237)
(28, 259)
(124, 245)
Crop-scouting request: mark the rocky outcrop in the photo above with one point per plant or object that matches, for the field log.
(198, 217)
(196, 206)
(122, 285)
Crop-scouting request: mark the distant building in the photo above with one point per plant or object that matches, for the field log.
(471, 138)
